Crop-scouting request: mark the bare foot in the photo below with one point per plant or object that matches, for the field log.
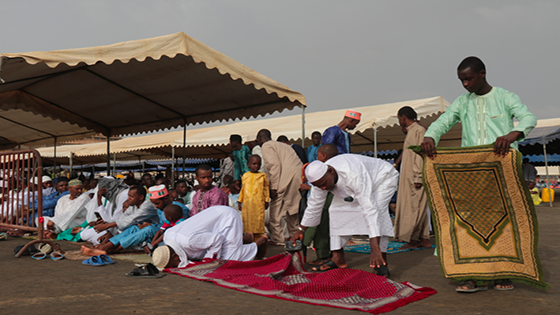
(93, 251)
(409, 245)
(424, 243)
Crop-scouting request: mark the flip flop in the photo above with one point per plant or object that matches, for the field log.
(328, 263)
(39, 256)
(317, 262)
(105, 260)
(503, 283)
(45, 248)
(3, 236)
(92, 261)
(471, 287)
(148, 271)
(56, 256)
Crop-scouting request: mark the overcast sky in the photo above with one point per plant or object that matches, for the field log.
(339, 54)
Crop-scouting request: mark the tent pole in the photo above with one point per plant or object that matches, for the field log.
(374, 140)
(114, 162)
(184, 145)
(303, 126)
(108, 152)
(172, 167)
(547, 180)
(71, 164)
(143, 168)
(54, 168)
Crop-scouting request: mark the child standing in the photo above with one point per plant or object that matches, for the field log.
(253, 198)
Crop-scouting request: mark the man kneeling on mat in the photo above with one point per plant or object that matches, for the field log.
(216, 232)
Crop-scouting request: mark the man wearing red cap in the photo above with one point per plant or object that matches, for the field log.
(337, 134)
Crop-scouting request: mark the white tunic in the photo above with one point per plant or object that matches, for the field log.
(369, 183)
(215, 232)
(69, 213)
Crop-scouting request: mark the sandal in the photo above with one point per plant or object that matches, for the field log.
(328, 263)
(382, 271)
(39, 256)
(471, 287)
(148, 271)
(56, 255)
(503, 283)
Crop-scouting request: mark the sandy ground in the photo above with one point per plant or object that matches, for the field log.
(49, 287)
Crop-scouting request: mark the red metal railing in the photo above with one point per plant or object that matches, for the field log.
(21, 200)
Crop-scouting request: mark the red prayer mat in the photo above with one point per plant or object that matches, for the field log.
(283, 277)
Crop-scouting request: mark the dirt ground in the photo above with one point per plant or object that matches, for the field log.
(49, 287)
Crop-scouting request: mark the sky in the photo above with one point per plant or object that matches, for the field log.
(338, 54)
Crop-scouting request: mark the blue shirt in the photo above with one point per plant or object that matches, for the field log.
(312, 152)
(49, 203)
(338, 137)
(161, 214)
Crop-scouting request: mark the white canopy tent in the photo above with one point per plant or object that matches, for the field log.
(137, 86)
(213, 141)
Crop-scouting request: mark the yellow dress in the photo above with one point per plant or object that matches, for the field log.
(253, 195)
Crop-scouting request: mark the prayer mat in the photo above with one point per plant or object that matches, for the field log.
(362, 246)
(485, 222)
(283, 277)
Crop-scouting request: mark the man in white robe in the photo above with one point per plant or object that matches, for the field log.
(216, 232)
(111, 195)
(362, 187)
(70, 210)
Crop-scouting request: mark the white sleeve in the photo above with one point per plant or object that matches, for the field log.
(315, 203)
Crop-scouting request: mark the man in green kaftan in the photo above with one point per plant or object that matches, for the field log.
(486, 114)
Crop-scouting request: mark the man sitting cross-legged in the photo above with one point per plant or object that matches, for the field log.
(139, 214)
(216, 232)
(70, 210)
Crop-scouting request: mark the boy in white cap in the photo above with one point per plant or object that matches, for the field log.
(362, 187)
(216, 233)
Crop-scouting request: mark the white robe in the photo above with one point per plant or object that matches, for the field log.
(109, 212)
(370, 183)
(69, 213)
(214, 232)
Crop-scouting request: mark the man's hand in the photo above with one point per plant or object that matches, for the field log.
(429, 147)
(501, 146)
(147, 250)
(50, 225)
(102, 227)
(273, 194)
(94, 223)
(297, 236)
(124, 206)
(76, 230)
(104, 238)
(143, 225)
(417, 185)
(304, 187)
(266, 204)
(240, 206)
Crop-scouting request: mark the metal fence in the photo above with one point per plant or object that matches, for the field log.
(21, 208)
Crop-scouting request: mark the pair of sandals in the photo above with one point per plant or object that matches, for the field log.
(148, 271)
(54, 256)
(471, 287)
(99, 260)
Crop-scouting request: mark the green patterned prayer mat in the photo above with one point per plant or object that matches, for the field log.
(485, 222)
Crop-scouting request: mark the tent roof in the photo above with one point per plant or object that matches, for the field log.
(214, 141)
(137, 86)
(546, 131)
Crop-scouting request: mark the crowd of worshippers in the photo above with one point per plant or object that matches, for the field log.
(322, 195)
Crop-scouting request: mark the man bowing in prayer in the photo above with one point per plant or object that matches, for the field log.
(214, 233)
(362, 187)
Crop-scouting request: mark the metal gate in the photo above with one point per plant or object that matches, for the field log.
(21, 185)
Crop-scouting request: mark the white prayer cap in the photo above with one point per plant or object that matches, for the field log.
(315, 171)
(161, 256)
(35, 180)
(46, 178)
